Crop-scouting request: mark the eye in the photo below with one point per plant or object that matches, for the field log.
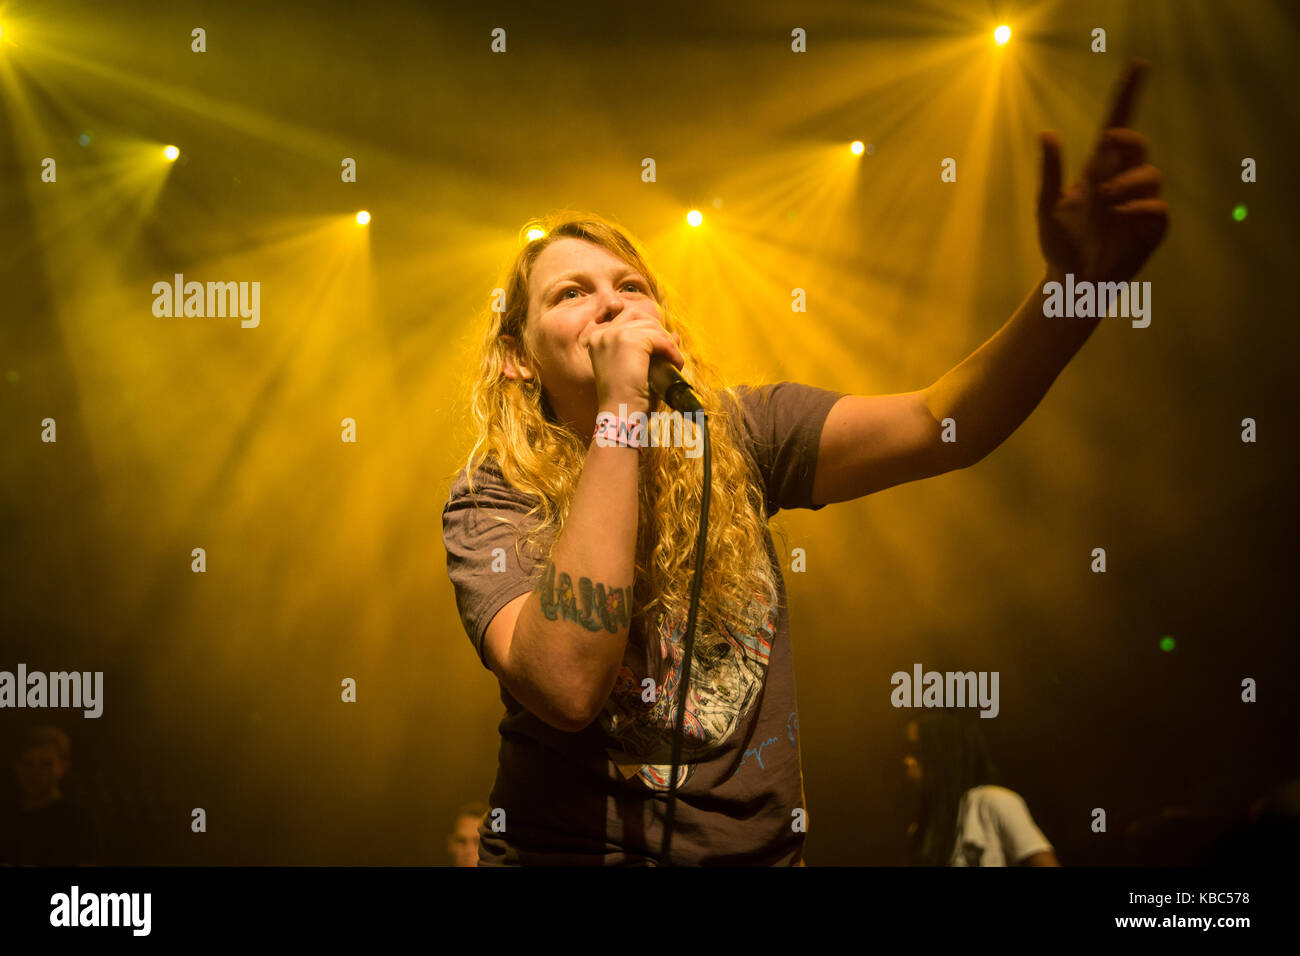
(635, 283)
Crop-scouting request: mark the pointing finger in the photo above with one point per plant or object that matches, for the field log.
(1050, 191)
(1121, 109)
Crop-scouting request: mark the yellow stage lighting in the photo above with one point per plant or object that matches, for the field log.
(171, 152)
(1002, 34)
(695, 217)
(534, 234)
(363, 217)
(857, 147)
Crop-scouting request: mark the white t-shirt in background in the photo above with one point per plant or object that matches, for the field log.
(994, 828)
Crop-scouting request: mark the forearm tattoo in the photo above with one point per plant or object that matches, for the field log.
(592, 605)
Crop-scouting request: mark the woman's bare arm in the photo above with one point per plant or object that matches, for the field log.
(557, 649)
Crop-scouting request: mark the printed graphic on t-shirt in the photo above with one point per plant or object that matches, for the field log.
(727, 670)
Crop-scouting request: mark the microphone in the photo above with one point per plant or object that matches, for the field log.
(666, 382)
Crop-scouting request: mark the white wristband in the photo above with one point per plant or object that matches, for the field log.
(612, 431)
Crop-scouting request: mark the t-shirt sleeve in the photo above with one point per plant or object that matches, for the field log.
(785, 422)
(484, 578)
(1016, 829)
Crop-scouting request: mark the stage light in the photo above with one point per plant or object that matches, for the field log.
(171, 152)
(695, 217)
(1002, 34)
(857, 147)
(363, 217)
(1239, 213)
(1166, 643)
(532, 235)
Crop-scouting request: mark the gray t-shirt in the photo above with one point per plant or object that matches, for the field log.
(598, 797)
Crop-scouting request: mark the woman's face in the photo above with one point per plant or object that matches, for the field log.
(575, 283)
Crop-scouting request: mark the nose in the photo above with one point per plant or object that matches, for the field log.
(611, 305)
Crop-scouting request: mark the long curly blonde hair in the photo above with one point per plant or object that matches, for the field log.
(516, 427)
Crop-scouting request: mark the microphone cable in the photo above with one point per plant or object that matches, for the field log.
(689, 639)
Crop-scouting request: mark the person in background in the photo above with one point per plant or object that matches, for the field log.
(39, 826)
(462, 841)
(963, 818)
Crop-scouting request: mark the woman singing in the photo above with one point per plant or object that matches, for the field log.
(571, 546)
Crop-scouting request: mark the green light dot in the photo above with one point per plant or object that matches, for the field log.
(1239, 212)
(1166, 643)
